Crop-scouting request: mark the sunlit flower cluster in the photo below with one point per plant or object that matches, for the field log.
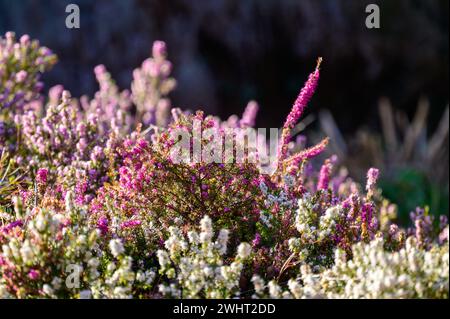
(196, 265)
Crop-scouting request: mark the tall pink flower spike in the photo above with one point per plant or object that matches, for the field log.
(297, 110)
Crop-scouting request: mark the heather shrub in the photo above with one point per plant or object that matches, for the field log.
(21, 65)
(123, 196)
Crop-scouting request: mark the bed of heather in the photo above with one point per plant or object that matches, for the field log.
(92, 204)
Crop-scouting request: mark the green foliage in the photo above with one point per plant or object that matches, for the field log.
(409, 188)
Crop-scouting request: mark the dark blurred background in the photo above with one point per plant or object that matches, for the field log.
(228, 52)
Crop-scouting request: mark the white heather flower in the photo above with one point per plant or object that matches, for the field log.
(263, 187)
(69, 201)
(57, 219)
(193, 237)
(208, 271)
(4, 292)
(6, 251)
(56, 283)
(163, 258)
(293, 243)
(274, 290)
(150, 276)
(47, 289)
(122, 292)
(85, 294)
(206, 227)
(258, 283)
(140, 276)
(111, 267)
(81, 240)
(339, 257)
(164, 289)
(222, 240)
(116, 247)
(289, 180)
(14, 248)
(94, 262)
(244, 250)
(26, 252)
(295, 288)
(40, 222)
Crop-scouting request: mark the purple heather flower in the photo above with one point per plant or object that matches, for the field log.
(257, 240)
(41, 176)
(102, 224)
(7, 228)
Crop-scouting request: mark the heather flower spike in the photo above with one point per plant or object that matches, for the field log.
(297, 110)
(307, 154)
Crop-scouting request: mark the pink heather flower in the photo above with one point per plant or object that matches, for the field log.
(33, 274)
(25, 195)
(443, 236)
(257, 240)
(102, 225)
(55, 93)
(99, 70)
(21, 76)
(393, 230)
(297, 110)
(41, 176)
(10, 226)
(307, 154)
(130, 223)
(159, 49)
(249, 116)
(372, 177)
(324, 175)
(25, 39)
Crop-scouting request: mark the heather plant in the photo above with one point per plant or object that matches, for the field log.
(149, 181)
(372, 273)
(21, 65)
(122, 196)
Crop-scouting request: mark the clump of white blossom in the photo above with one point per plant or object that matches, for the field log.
(411, 272)
(196, 264)
(372, 273)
